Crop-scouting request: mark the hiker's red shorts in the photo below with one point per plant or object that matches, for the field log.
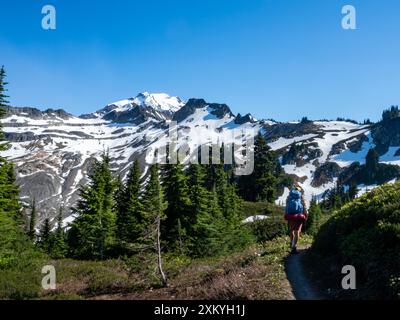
(295, 220)
(295, 217)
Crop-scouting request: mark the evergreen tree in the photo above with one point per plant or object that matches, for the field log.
(3, 104)
(353, 191)
(178, 211)
(15, 247)
(32, 222)
(205, 216)
(371, 165)
(9, 191)
(314, 217)
(208, 238)
(45, 236)
(93, 231)
(59, 246)
(261, 185)
(129, 222)
(152, 212)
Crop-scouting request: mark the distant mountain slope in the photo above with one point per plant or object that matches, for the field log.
(53, 150)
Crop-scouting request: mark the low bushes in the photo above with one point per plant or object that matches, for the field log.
(366, 234)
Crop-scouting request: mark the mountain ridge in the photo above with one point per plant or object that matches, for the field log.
(53, 150)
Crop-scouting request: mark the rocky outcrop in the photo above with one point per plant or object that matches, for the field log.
(326, 173)
(188, 109)
(300, 154)
(36, 114)
(290, 130)
(354, 144)
(245, 119)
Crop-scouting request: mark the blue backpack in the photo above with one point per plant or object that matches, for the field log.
(294, 204)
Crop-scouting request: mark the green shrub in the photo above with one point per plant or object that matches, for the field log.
(366, 233)
(314, 218)
(268, 229)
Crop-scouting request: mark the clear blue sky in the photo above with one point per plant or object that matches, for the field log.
(273, 58)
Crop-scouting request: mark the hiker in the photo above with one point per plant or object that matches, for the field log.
(296, 214)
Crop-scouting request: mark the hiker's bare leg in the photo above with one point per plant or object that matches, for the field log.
(296, 236)
(292, 232)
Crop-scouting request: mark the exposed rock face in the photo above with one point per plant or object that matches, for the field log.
(188, 109)
(300, 154)
(326, 173)
(247, 118)
(290, 130)
(36, 114)
(354, 145)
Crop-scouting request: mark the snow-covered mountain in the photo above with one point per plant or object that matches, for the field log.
(53, 150)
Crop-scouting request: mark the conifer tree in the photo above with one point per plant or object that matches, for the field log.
(3, 104)
(59, 246)
(9, 191)
(204, 214)
(261, 184)
(93, 231)
(45, 236)
(179, 205)
(208, 237)
(152, 211)
(371, 165)
(14, 243)
(197, 192)
(353, 191)
(32, 222)
(314, 217)
(129, 222)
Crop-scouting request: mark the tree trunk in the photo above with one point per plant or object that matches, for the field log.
(160, 268)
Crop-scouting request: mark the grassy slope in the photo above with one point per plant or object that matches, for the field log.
(255, 273)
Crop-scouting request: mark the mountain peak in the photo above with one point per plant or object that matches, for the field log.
(158, 101)
(161, 105)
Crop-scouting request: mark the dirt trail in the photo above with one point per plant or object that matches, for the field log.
(301, 287)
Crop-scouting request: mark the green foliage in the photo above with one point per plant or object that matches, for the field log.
(3, 105)
(53, 243)
(366, 234)
(314, 218)
(205, 213)
(391, 113)
(19, 261)
(9, 191)
(268, 229)
(92, 233)
(45, 236)
(129, 219)
(261, 184)
(177, 220)
(154, 206)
